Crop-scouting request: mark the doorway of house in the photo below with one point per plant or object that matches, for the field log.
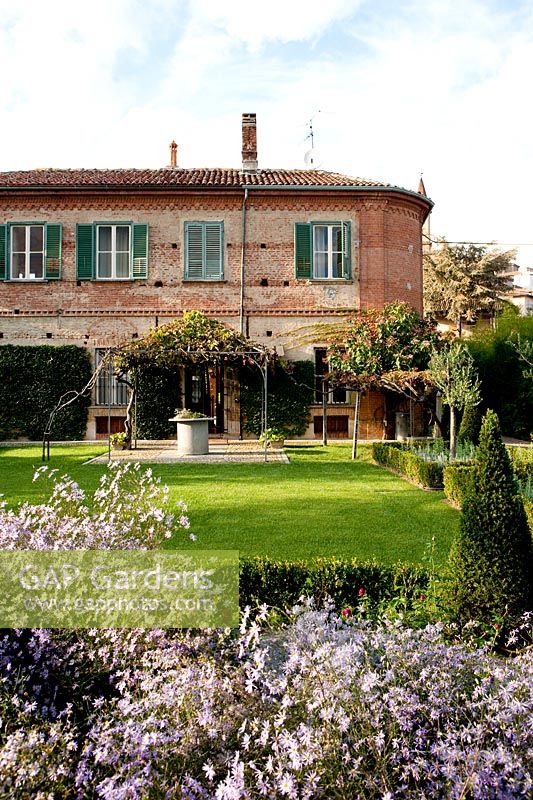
(204, 392)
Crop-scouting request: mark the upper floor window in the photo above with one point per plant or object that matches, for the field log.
(111, 251)
(204, 250)
(27, 252)
(30, 251)
(322, 250)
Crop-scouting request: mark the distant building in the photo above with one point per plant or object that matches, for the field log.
(521, 289)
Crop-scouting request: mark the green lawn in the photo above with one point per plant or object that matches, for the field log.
(321, 504)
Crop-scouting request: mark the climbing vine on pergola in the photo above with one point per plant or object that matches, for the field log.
(193, 340)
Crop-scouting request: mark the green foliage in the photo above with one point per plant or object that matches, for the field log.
(491, 560)
(470, 424)
(428, 474)
(504, 387)
(192, 339)
(32, 379)
(464, 280)
(452, 371)
(528, 508)
(522, 461)
(158, 394)
(376, 342)
(290, 393)
(524, 348)
(282, 583)
(458, 482)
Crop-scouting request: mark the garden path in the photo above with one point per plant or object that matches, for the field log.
(220, 452)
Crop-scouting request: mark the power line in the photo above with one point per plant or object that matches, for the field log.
(489, 244)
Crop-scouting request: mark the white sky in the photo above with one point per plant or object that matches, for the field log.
(395, 88)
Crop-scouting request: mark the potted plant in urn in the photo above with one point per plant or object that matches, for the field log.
(119, 441)
(274, 438)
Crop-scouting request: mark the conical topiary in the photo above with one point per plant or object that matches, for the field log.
(470, 425)
(491, 561)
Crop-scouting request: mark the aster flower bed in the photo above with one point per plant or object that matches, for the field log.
(324, 705)
(318, 708)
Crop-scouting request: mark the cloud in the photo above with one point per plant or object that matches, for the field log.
(392, 88)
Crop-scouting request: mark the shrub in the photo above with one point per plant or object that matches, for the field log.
(282, 583)
(458, 482)
(522, 461)
(290, 393)
(504, 387)
(32, 379)
(396, 456)
(491, 561)
(158, 394)
(470, 425)
(528, 508)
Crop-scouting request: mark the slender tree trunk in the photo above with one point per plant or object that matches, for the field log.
(128, 427)
(325, 394)
(453, 432)
(356, 425)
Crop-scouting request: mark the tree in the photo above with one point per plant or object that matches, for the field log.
(377, 346)
(464, 280)
(505, 386)
(452, 372)
(524, 348)
(384, 349)
(491, 560)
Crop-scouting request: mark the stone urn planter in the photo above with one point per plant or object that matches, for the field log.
(192, 435)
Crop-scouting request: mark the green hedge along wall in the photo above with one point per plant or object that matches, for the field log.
(158, 396)
(32, 379)
(290, 393)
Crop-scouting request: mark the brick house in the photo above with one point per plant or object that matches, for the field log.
(96, 257)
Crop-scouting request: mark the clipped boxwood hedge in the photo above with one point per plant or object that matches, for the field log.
(282, 583)
(458, 482)
(32, 379)
(397, 456)
(522, 461)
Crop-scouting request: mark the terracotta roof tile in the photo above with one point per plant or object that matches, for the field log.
(176, 177)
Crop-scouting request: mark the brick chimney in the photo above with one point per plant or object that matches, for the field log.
(173, 154)
(249, 143)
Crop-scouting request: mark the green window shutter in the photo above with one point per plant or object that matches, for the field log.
(194, 250)
(85, 252)
(52, 264)
(346, 249)
(303, 252)
(213, 249)
(140, 251)
(4, 272)
(204, 256)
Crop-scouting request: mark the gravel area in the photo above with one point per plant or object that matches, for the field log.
(165, 452)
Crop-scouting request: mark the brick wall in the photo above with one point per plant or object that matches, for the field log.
(386, 258)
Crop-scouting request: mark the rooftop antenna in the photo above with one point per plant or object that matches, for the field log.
(311, 157)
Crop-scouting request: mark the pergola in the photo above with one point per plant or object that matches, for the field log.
(193, 340)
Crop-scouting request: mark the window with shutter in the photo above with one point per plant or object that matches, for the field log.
(322, 250)
(30, 251)
(204, 250)
(115, 251)
(3, 252)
